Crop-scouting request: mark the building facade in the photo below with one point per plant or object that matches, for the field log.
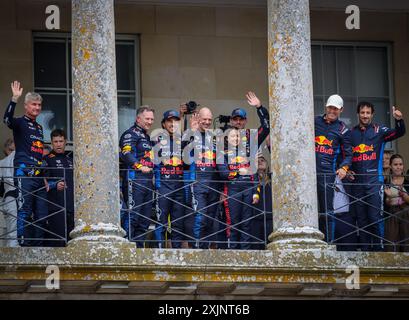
(211, 52)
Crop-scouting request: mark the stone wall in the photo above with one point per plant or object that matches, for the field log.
(211, 54)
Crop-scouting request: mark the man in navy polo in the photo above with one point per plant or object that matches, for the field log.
(368, 142)
(333, 156)
(28, 139)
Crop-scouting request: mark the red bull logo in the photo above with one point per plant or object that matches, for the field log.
(361, 153)
(362, 148)
(174, 161)
(323, 141)
(37, 146)
(239, 159)
(323, 145)
(210, 155)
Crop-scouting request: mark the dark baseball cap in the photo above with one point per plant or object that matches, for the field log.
(239, 112)
(171, 114)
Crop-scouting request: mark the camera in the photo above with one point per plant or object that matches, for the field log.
(224, 119)
(191, 107)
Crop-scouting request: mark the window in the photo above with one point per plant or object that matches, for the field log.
(52, 79)
(356, 72)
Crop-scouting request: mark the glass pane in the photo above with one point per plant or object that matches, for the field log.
(372, 72)
(319, 106)
(70, 133)
(317, 69)
(49, 64)
(346, 71)
(330, 78)
(70, 64)
(126, 113)
(125, 66)
(348, 115)
(53, 114)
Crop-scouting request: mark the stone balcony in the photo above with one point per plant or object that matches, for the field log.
(121, 271)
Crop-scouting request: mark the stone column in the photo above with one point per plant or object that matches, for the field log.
(292, 125)
(96, 170)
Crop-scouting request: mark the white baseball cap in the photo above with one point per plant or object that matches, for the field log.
(335, 101)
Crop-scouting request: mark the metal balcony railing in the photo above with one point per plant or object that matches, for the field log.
(216, 214)
(41, 221)
(224, 226)
(363, 220)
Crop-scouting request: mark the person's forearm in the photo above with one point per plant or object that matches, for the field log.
(9, 114)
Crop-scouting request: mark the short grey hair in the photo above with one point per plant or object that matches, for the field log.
(143, 109)
(32, 96)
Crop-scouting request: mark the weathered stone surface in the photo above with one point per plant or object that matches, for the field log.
(119, 268)
(95, 122)
(292, 131)
(229, 265)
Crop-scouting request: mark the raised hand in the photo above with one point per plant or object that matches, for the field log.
(387, 191)
(16, 90)
(182, 109)
(396, 113)
(341, 173)
(194, 121)
(61, 186)
(252, 99)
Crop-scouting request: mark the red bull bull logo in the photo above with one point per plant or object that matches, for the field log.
(323, 141)
(362, 148)
(37, 146)
(210, 155)
(239, 159)
(323, 145)
(360, 152)
(174, 161)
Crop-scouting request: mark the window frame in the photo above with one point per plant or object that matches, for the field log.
(65, 37)
(356, 44)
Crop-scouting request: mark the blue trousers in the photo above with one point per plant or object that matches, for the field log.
(205, 204)
(325, 192)
(170, 203)
(32, 210)
(369, 217)
(139, 192)
(241, 213)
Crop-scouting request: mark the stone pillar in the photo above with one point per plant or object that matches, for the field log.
(292, 125)
(96, 170)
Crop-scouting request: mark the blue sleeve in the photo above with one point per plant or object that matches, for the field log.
(264, 129)
(346, 148)
(52, 184)
(127, 147)
(392, 134)
(156, 171)
(8, 118)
